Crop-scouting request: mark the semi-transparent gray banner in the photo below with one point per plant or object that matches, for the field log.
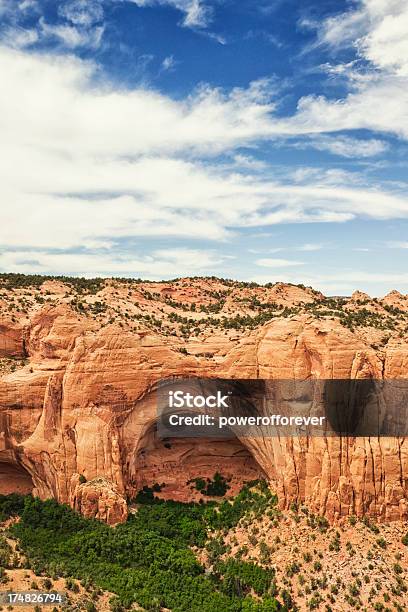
(221, 408)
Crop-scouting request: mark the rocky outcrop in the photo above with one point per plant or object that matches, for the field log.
(11, 339)
(98, 499)
(82, 401)
(360, 296)
(396, 300)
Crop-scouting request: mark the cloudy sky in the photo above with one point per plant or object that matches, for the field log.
(253, 139)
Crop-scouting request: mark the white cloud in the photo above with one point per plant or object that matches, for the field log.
(169, 63)
(158, 265)
(69, 108)
(383, 87)
(72, 36)
(385, 43)
(378, 98)
(28, 5)
(83, 163)
(378, 30)
(278, 263)
(19, 38)
(310, 247)
(249, 163)
(80, 24)
(194, 258)
(345, 146)
(84, 13)
(197, 14)
(13, 9)
(341, 30)
(339, 281)
(358, 110)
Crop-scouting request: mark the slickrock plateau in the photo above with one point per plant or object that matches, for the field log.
(80, 361)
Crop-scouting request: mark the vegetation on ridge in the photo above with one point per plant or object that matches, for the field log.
(190, 307)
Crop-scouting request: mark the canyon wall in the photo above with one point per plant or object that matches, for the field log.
(78, 413)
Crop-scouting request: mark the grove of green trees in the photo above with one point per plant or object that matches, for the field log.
(149, 559)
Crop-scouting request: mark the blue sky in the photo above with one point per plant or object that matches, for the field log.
(256, 140)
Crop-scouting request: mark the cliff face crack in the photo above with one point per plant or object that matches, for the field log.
(404, 478)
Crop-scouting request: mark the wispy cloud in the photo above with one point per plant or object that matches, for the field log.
(169, 64)
(196, 13)
(377, 78)
(345, 146)
(377, 28)
(157, 265)
(83, 13)
(19, 38)
(267, 37)
(308, 247)
(81, 163)
(72, 36)
(278, 263)
(79, 24)
(340, 281)
(87, 165)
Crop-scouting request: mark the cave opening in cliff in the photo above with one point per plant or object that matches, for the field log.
(177, 462)
(14, 479)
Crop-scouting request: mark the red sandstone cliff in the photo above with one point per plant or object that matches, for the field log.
(79, 368)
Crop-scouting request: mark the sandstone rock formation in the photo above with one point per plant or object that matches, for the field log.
(98, 499)
(79, 368)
